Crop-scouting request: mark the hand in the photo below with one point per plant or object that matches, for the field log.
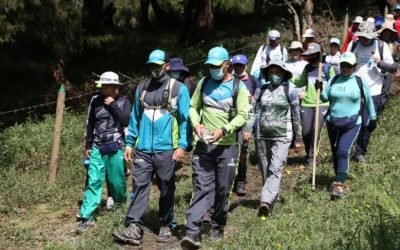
(372, 125)
(128, 154)
(377, 58)
(88, 152)
(298, 146)
(246, 137)
(216, 135)
(318, 84)
(178, 155)
(198, 129)
(108, 100)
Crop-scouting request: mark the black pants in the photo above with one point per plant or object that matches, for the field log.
(145, 165)
(214, 169)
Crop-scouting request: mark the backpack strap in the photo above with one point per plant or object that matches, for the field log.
(380, 45)
(360, 85)
(253, 82)
(166, 96)
(353, 46)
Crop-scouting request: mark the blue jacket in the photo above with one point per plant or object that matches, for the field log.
(153, 130)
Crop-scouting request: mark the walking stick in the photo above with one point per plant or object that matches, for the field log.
(316, 123)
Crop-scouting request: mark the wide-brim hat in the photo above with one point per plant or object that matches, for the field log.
(294, 45)
(387, 26)
(280, 64)
(312, 49)
(367, 30)
(108, 77)
(176, 64)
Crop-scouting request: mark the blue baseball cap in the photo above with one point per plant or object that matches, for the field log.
(216, 56)
(158, 57)
(239, 59)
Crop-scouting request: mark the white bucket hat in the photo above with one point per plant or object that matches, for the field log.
(358, 19)
(108, 77)
(296, 45)
(309, 33)
(367, 30)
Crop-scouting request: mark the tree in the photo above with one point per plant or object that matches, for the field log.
(144, 11)
(199, 21)
(92, 17)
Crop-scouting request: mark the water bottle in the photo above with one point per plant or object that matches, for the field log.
(86, 162)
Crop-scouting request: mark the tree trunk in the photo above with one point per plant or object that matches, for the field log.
(308, 10)
(92, 17)
(199, 21)
(144, 13)
(258, 7)
(296, 20)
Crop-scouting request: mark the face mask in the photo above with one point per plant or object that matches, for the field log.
(217, 74)
(275, 80)
(175, 74)
(239, 75)
(157, 74)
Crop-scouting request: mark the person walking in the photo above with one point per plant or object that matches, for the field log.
(263, 54)
(108, 115)
(350, 33)
(158, 131)
(277, 104)
(180, 72)
(309, 99)
(240, 64)
(345, 94)
(295, 64)
(371, 54)
(219, 107)
(332, 59)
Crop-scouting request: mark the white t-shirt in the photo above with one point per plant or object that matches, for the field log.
(366, 66)
(296, 67)
(262, 54)
(333, 60)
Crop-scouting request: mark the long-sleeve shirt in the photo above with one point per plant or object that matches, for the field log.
(295, 67)
(211, 108)
(307, 80)
(154, 130)
(262, 56)
(366, 66)
(105, 123)
(278, 117)
(344, 97)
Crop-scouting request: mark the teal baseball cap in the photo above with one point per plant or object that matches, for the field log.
(216, 56)
(158, 57)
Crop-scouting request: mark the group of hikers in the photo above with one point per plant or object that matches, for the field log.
(275, 102)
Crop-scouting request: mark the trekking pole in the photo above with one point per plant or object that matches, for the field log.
(57, 134)
(316, 125)
(345, 25)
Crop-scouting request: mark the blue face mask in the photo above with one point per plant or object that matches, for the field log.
(175, 74)
(217, 74)
(275, 80)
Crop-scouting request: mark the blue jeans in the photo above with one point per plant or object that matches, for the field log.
(341, 141)
(365, 132)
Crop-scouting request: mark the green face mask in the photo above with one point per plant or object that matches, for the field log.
(276, 80)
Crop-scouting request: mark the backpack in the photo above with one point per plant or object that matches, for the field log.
(268, 59)
(166, 98)
(233, 110)
(380, 47)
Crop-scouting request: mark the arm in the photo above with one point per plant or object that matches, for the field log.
(388, 67)
(257, 61)
(90, 121)
(122, 113)
(183, 118)
(369, 103)
(252, 112)
(325, 91)
(134, 122)
(196, 105)
(302, 80)
(295, 112)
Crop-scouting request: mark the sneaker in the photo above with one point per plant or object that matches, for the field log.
(165, 234)
(132, 234)
(85, 225)
(361, 159)
(264, 210)
(337, 190)
(110, 203)
(190, 241)
(217, 234)
(241, 188)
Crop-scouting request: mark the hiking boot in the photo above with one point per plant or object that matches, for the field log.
(85, 225)
(190, 241)
(165, 234)
(337, 190)
(361, 159)
(110, 203)
(132, 234)
(241, 188)
(217, 234)
(264, 210)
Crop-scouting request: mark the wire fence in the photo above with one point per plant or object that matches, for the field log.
(130, 80)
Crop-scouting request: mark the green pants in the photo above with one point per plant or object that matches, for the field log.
(110, 166)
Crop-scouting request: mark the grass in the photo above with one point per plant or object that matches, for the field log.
(34, 214)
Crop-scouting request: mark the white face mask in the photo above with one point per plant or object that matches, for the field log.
(217, 74)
